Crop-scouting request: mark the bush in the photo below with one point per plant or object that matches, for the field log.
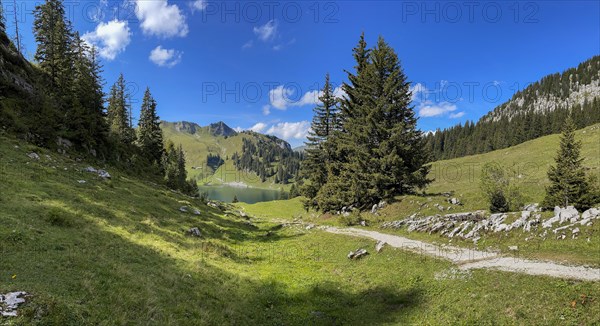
(57, 217)
(351, 219)
(500, 189)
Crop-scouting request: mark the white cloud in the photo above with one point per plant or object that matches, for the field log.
(199, 5)
(418, 92)
(110, 38)
(266, 109)
(259, 127)
(281, 97)
(160, 19)
(429, 109)
(290, 130)
(457, 115)
(266, 32)
(165, 57)
(248, 44)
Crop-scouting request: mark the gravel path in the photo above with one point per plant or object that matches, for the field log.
(475, 259)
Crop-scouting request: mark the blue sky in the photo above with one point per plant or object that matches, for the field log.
(258, 64)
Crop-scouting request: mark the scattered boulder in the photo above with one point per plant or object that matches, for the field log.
(183, 209)
(62, 142)
(103, 174)
(81, 181)
(513, 248)
(33, 156)
(363, 223)
(310, 226)
(374, 209)
(10, 302)
(196, 212)
(379, 246)
(532, 207)
(90, 170)
(195, 232)
(591, 213)
(357, 254)
(454, 201)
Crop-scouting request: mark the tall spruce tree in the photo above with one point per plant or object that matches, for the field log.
(86, 123)
(318, 150)
(150, 137)
(568, 182)
(2, 18)
(53, 33)
(379, 151)
(119, 112)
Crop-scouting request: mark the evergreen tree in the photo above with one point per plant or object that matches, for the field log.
(86, 122)
(2, 18)
(380, 153)
(169, 163)
(150, 137)
(119, 110)
(235, 199)
(54, 37)
(318, 151)
(568, 181)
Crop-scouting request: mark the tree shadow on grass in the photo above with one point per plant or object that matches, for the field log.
(90, 275)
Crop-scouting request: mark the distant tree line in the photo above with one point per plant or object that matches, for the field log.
(67, 101)
(365, 147)
(268, 158)
(522, 118)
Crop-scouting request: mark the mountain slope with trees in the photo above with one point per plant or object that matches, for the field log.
(538, 110)
(218, 154)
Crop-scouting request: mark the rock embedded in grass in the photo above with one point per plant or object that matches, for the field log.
(359, 253)
(10, 302)
(195, 232)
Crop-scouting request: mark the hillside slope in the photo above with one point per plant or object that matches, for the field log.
(220, 140)
(118, 252)
(531, 160)
(537, 110)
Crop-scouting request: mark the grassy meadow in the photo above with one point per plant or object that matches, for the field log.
(116, 251)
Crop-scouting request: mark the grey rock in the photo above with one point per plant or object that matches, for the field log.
(196, 212)
(513, 248)
(454, 201)
(90, 170)
(566, 214)
(357, 254)
(310, 226)
(591, 213)
(62, 142)
(81, 181)
(379, 246)
(374, 209)
(183, 209)
(33, 156)
(195, 232)
(10, 302)
(103, 174)
(532, 207)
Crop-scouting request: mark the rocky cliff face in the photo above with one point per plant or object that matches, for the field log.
(575, 86)
(221, 129)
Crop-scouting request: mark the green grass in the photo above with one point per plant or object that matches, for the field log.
(461, 178)
(531, 160)
(117, 252)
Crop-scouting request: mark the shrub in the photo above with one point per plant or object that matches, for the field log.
(57, 217)
(499, 186)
